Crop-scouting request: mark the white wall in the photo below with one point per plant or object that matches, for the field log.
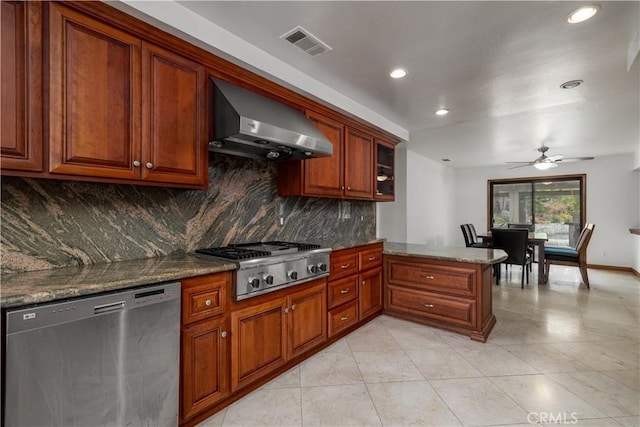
(613, 205)
(636, 264)
(424, 205)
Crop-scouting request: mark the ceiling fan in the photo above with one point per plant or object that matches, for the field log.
(547, 162)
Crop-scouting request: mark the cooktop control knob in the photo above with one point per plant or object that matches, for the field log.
(322, 267)
(293, 275)
(254, 282)
(313, 269)
(268, 279)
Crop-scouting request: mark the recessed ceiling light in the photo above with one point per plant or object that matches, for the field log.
(571, 84)
(582, 14)
(442, 112)
(398, 73)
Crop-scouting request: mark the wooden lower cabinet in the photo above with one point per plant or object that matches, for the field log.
(342, 317)
(458, 311)
(307, 321)
(370, 300)
(450, 295)
(355, 286)
(205, 366)
(267, 335)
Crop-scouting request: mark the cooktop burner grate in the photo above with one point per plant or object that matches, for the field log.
(257, 249)
(233, 253)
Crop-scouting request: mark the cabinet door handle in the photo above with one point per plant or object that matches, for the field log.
(345, 291)
(345, 266)
(372, 258)
(208, 303)
(149, 165)
(136, 163)
(223, 334)
(343, 318)
(293, 307)
(286, 310)
(427, 305)
(348, 188)
(428, 277)
(364, 282)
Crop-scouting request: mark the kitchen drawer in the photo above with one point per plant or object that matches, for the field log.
(452, 310)
(343, 265)
(342, 317)
(370, 258)
(451, 280)
(204, 297)
(342, 290)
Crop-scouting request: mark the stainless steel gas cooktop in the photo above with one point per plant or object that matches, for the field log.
(268, 266)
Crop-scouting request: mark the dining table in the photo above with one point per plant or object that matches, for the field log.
(537, 239)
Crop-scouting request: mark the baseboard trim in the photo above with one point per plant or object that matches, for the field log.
(613, 268)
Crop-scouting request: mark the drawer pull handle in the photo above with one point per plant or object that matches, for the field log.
(208, 303)
(293, 307)
(364, 283)
(372, 258)
(428, 305)
(345, 291)
(224, 334)
(345, 266)
(428, 277)
(343, 318)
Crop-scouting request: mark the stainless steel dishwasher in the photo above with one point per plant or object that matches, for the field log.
(105, 360)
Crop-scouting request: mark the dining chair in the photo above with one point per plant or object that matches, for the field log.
(514, 242)
(471, 238)
(571, 256)
(530, 248)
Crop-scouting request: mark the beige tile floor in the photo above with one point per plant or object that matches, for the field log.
(557, 350)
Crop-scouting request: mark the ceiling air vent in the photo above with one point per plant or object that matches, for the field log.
(306, 41)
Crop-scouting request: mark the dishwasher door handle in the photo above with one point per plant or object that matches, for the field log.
(107, 308)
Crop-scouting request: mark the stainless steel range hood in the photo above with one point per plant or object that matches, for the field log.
(250, 125)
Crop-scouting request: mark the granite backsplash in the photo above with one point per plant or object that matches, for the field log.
(52, 223)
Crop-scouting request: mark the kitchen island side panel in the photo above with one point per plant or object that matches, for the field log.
(50, 223)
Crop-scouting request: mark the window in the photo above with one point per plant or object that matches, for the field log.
(553, 205)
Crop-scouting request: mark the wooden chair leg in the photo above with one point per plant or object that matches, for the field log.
(584, 274)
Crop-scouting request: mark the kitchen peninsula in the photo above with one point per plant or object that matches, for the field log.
(444, 287)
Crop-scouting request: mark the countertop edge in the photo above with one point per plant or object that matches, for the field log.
(453, 254)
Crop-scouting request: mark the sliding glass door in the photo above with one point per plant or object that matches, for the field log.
(553, 205)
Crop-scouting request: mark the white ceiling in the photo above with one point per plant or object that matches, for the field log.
(496, 65)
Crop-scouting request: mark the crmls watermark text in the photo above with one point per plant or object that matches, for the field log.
(552, 417)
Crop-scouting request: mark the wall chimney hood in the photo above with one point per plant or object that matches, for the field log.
(251, 125)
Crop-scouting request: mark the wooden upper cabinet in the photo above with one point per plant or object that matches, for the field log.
(173, 117)
(348, 173)
(94, 101)
(21, 86)
(358, 165)
(325, 176)
(123, 108)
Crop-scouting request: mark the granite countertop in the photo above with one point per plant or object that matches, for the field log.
(59, 283)
(444, 253)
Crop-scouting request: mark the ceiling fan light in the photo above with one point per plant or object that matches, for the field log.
(582, 14)
(544, 165)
